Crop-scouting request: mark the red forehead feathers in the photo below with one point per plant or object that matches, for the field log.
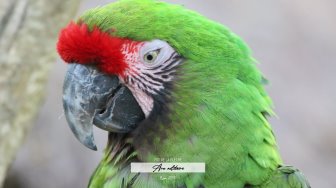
(77, 44)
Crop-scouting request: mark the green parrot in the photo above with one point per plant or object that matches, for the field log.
(169, 85)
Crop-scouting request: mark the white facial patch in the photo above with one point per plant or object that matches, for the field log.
(151, 65)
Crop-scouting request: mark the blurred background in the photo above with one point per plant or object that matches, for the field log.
(295, 43)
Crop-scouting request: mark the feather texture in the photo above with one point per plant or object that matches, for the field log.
(215, 113)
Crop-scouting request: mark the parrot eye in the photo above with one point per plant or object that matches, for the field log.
(151, 56)
(154, 53)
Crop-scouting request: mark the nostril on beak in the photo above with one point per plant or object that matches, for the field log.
(102, 111)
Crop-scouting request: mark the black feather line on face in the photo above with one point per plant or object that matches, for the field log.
(173, 55)
(149, 81)
(171, 66)
(153, 78)
(148, 130)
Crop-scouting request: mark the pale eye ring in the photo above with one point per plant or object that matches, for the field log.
(151, 56)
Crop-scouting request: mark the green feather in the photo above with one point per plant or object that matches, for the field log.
(218, 108)
(286, 175)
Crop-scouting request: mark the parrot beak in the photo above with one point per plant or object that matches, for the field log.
(94, 98)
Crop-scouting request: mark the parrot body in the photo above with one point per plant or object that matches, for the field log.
(203, 102)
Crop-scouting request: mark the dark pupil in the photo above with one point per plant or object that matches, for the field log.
(149, 57)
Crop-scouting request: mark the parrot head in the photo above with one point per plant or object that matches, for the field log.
(112, 82)
(127, 61)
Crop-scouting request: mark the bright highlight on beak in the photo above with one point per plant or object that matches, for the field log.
(91, 97)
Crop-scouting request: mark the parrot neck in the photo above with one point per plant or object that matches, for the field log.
(119, 151)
